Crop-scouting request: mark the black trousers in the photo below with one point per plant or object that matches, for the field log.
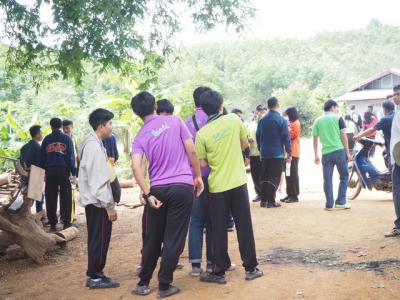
(271, 172)
(220, 205)
(255, 169)
(57, 181)
(292, 181)
(99, 229)
(166, 227)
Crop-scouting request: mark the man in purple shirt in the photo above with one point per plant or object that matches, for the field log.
(198, 220)
(167, 144)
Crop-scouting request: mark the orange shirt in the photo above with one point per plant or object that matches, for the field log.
(295, 131)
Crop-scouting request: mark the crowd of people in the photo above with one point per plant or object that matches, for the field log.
(192, 176)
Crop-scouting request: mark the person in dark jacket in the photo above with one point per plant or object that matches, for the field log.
(58, 159)
(273, 141)
(30, 154)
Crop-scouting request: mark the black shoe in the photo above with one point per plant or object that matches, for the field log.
(141, 290)
(256, 273)
(257, 199)
(179, 266)
(172, 290)
(285, 199)
(54, 228)
(292, 200)
(274, 205)
(103, 283)
(263, 204)
(212, 278)
(66, 226)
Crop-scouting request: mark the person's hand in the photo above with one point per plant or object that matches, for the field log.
(288, 159)
(154, 202)
(112, 214)
(74, 180)
(349, 157)
(246, 162)
(357, 138)
(198, 186)
(251, 140)
(317, 161)
(142, 200)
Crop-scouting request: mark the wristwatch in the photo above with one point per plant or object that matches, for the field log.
(146, 196)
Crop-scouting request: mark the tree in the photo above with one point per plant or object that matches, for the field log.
(52, 37)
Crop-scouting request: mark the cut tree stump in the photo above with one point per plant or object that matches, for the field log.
(22, 228)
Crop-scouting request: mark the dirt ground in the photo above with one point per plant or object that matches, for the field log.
(304, 251)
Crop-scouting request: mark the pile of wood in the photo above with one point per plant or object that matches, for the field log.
(19, 226)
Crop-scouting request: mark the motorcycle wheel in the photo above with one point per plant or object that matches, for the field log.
(354, 185)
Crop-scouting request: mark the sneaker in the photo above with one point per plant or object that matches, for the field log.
(179, 266)
(292, 200)
(102, 283)
(66, 226)
(329, 208)
(395, 232)
(232, 267)
(257, 199)
(54, 228)
(274, 205)
(263, 204)
(141, 290)
(284, 199)
(209, 268)
(343, 206)
(104, 277)
(172, 290)
(212, 278)
(256, 273)
(196, 271)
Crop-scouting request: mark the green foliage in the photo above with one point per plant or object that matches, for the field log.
(50, 38)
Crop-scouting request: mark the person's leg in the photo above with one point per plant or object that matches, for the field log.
(273, 179)
(292, 181)
(39, 206)
(396, 194)
(241, 213)
(196, 230)
(327, 169)
(94, 240)
(51, 194)
(153, 236)
(180, 201)
(342, 166)
(255, 169)
(264, 180)
(65, 196)
(105, 229)
(218, 211)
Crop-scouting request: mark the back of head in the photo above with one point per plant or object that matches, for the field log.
(34, 130)
(55, 123)
(143, 104)
(236, 111)
(388, 105)
(99, 117)
(272, 103)
(396, 88)
(292, 114)
(211, 102)
(197, 94)
(368, 115)
(353, 107)
(329, 104)
(165, 106)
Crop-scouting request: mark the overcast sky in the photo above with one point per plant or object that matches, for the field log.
(304, 18)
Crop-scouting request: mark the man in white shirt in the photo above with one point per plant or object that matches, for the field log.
(395, 138)
(96, 196)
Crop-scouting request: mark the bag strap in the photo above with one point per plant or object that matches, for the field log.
(196, 126)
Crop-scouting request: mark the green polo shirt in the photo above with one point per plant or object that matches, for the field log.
(219, 143)
(327, 128)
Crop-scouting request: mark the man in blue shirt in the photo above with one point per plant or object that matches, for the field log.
(58, 159)
(385, 124)
(273, 141)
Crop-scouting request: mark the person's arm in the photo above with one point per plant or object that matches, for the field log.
(244, 141)
(71, 158)
(258, 135)
(43, 154)
(286, 140)
(201, 151)
(115, 148)
(194, 161)
(316, 156)
(368, 132)
(343, 135)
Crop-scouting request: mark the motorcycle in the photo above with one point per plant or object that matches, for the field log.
(363, 174)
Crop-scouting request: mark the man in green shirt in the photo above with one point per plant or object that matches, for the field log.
(330, 129)
(219, 145)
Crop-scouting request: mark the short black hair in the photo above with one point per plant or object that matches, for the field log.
(329, 104)
(388, 105)
(352, 107)
(396, 88)
(143, 104)
(347, 118)
(272, 102)
(34, 130)
(292, 113)
(99, 117)
(55, 123)
(197, 94)
(389, 96)
(67, 123)
(165, 106)
(236, 111)
(260, 107)
(211, 102)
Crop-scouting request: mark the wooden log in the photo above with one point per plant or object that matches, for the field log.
(69, 233)
(5, 178)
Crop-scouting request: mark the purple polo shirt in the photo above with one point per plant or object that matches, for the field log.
(202, 120)
(161, 140)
